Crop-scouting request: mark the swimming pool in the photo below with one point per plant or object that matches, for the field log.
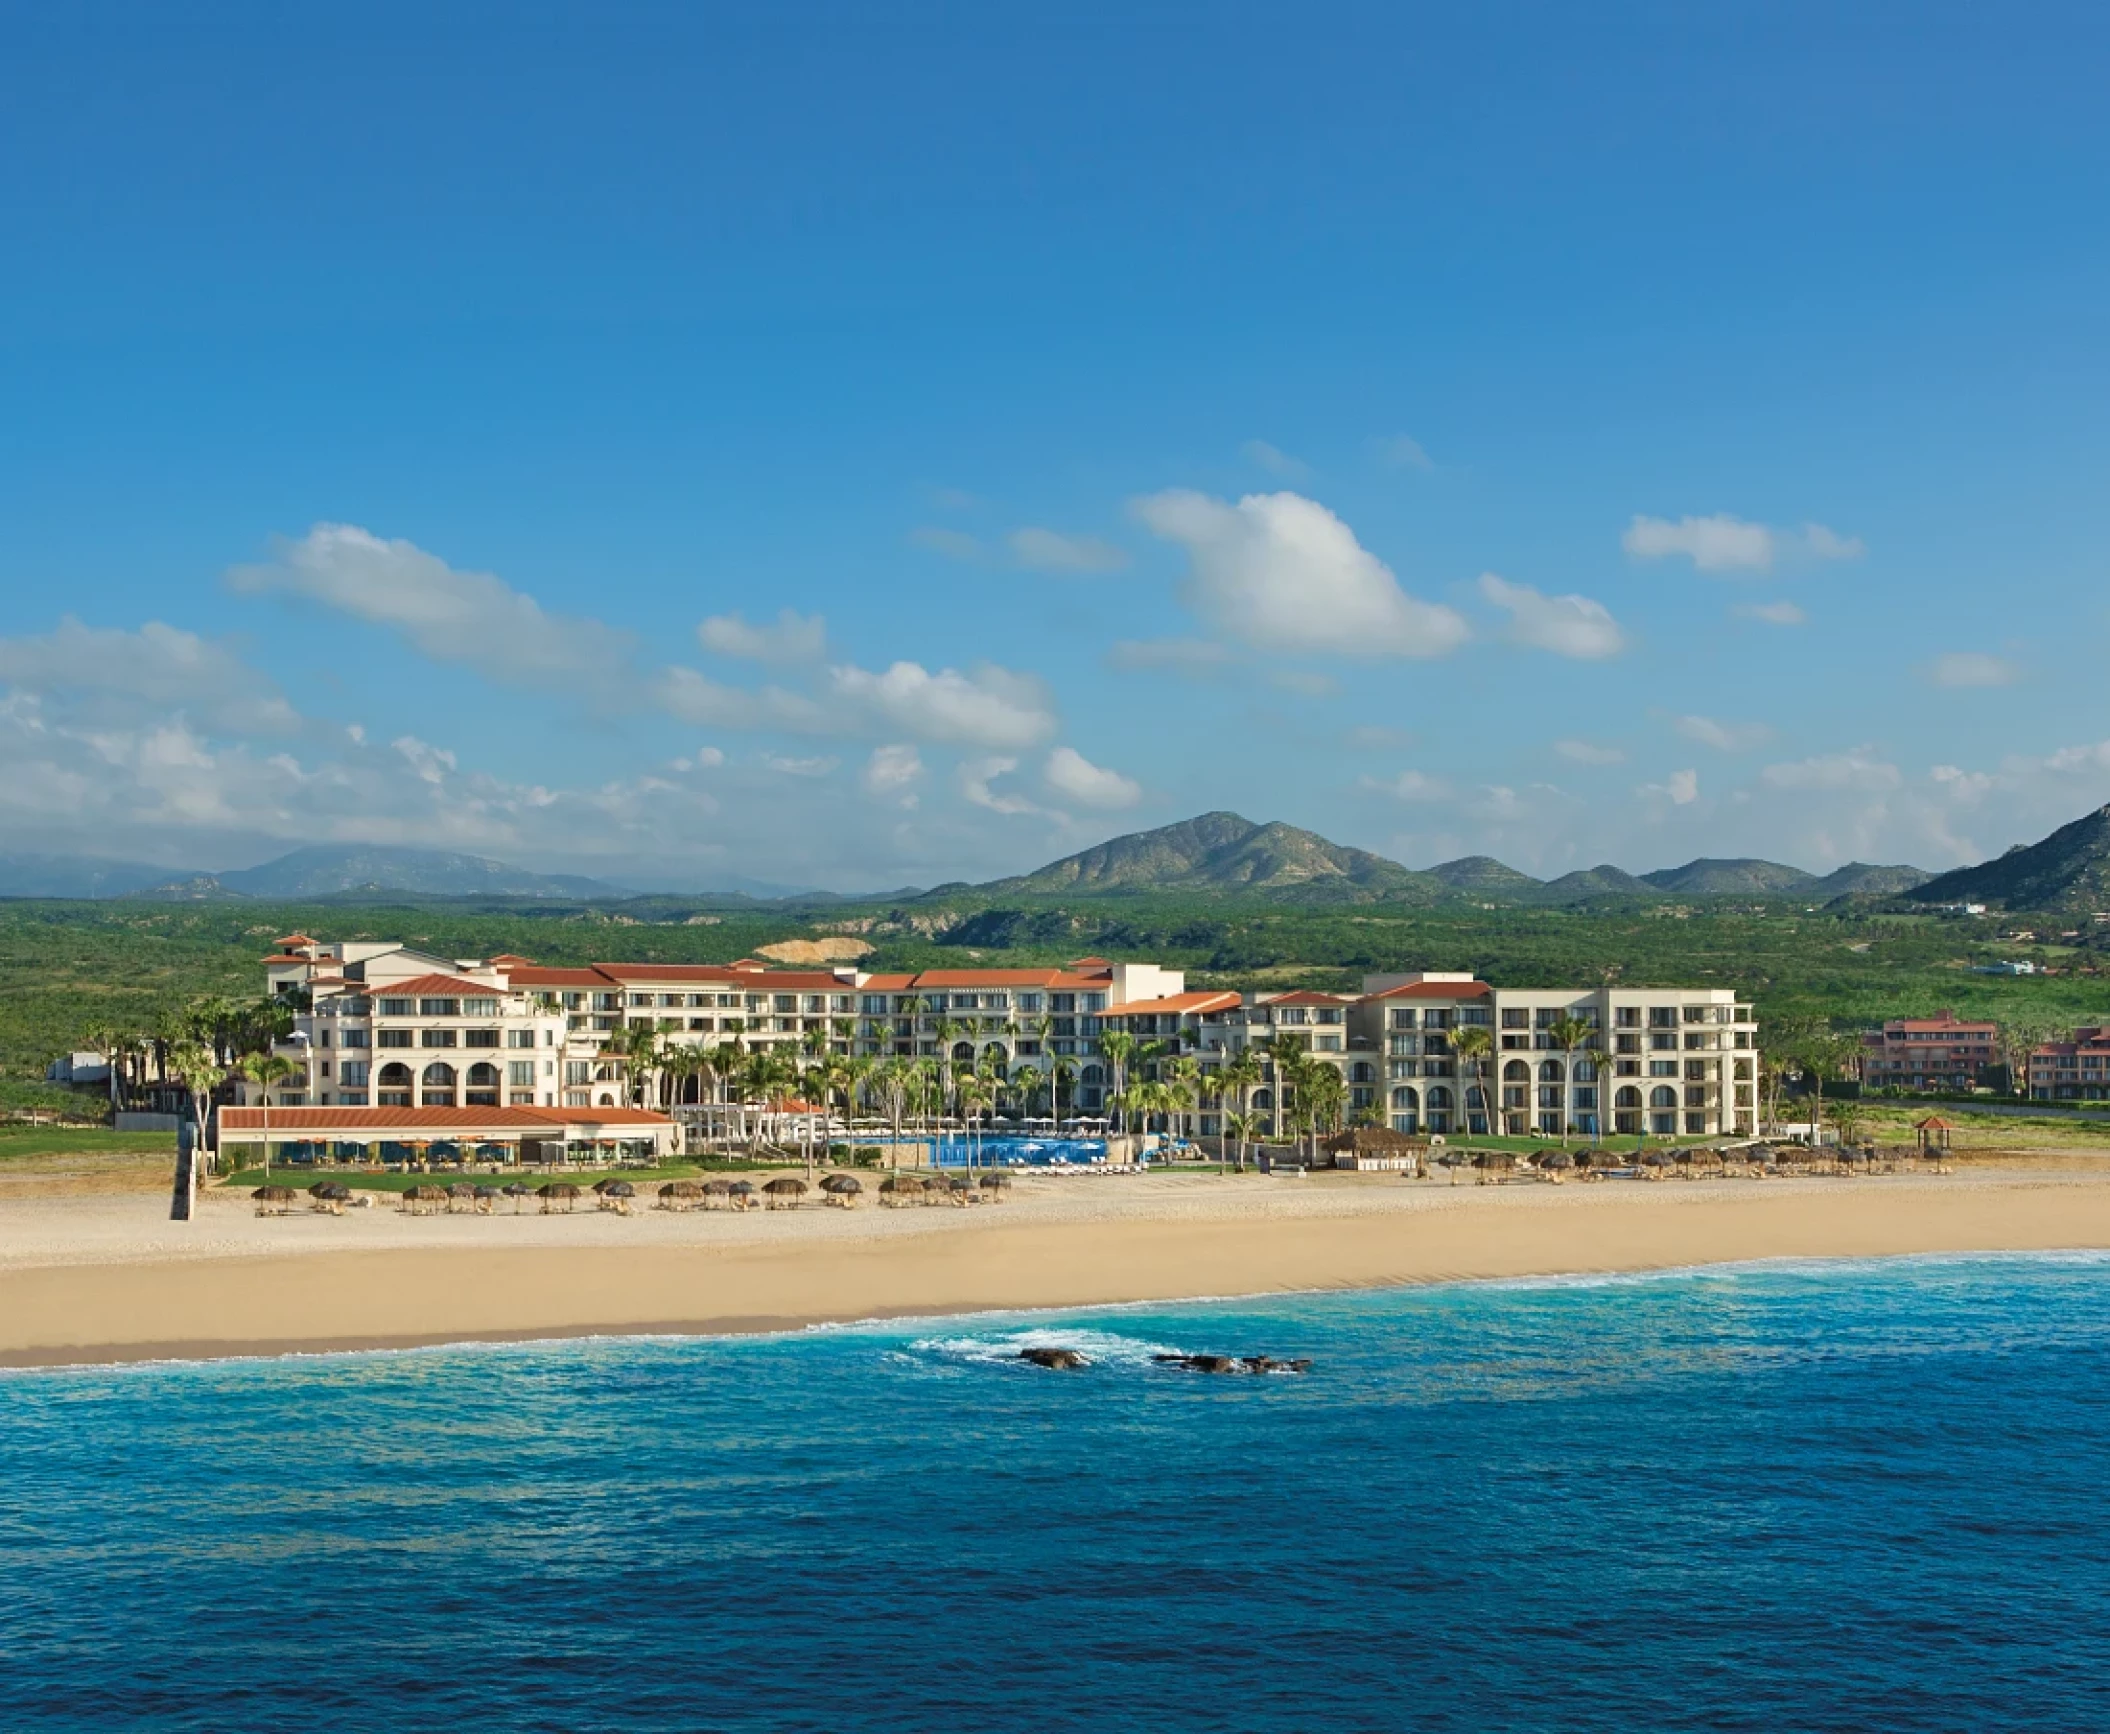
(1017, 1152)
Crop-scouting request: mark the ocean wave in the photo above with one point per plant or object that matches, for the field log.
(1001, 1348)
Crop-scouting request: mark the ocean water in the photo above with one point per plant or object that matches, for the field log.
(1866, 1497)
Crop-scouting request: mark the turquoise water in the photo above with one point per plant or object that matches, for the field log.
(1852, 1497)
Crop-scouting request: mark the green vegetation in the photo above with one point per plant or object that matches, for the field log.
(32, 1142)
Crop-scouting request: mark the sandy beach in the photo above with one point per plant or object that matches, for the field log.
(107, 1277)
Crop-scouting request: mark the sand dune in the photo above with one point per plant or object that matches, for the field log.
(108, 1278)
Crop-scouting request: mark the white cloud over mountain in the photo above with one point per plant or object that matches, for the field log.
(1075, 778)
(1282, 573)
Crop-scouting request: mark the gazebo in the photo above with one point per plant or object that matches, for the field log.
(1933, 1134)
(1376, 1147)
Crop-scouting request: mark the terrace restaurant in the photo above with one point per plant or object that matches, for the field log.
(378, 1137)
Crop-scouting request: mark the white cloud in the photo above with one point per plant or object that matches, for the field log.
(1773, 613)
(1050, 551)
(709, 758)
(690, 697)
(1074, 777)
(2094, 758)
(975, 778)
(448, 615)
(1566, 625)
(953, 544)
(1723, 543)
(1724, 737)
(790, 767)
(988, 707)
(1973, 668)
(1822, 544)
(431, 763)
(1306, 682)
(1283, 573)
(1180, 655)
(114, 674)
(1275, 461)
(1407, 786)
(1588, 753)
(1402, 453)
(1680, 789)
(794, 638)
(1960, 784)
(1857, 768)
(953, 499)
(892, 773)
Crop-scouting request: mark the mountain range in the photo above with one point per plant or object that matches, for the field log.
(1224, 852)
(1214, 853)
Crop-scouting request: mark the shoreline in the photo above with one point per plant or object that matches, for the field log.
(106, 1283)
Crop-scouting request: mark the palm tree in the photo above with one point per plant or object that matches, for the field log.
(1240, 1127)
(198, 1068)
(264, 1070)
(1473, 1045)
(1570, 1034)
(1240, 1075)
(1119, 1047)
(1183, 1085)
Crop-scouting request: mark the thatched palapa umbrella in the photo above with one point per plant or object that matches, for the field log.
(419, 1200)
(996, 1183)
(896, 1186)
(718, 1190)
(269, 1196)
(785, 1191)
(842, 1189)
(557, 1192)
(460, 1195)
(486, 1200)
(742, 1192)
(679, 1194)
(516, 1190)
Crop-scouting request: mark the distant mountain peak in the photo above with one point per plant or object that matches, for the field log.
(2069, 872)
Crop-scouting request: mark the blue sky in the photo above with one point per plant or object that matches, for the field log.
(1575, 435)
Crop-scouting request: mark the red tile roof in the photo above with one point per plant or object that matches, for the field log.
(1435, 990)
(294, 939)
(282, 958)
(1308, 997)
(448, 986)
(432, 1119)
(1177, 1004)
(987, 977)
(547, 975)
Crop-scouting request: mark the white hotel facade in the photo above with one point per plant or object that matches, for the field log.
(384, 1025)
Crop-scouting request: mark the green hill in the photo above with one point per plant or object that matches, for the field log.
(1224, 852)
(2067, 873)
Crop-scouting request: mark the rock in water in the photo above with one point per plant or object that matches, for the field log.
(1062, 1360)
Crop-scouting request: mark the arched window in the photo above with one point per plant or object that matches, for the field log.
(483, 1076)
(1586, 1071)
(1439, 1099)
(1516, 1072)
(1549, 1071)
(1263, 1098)
(1663, 1096)
(994, 1057)
(606, 1101)
(963, 1053)
(1404, 1100)
(1091, 1077)
(1629, 1097)
(1362, 1072)
(439, 1076)
(395, 1076)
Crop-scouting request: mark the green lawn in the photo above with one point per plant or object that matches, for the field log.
(31, 1141)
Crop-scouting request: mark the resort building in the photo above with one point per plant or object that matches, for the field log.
(1943, 1052)
(388, 1027)
(2072, 1071)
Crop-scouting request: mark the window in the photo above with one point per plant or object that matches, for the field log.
(1663, 1068)
(578, 1071)
(1662, 1017)
(1627, 1017)
(477, 1008)
(1515, 1018)
(1403, 1017)
(520, 1038)
(641, 999)
(356, 1038)
(435, 1038)
(352, 1074)
(484, 1038)
(439, 1008)
(394, 1038)
(520, 1072)
(395, 1008)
